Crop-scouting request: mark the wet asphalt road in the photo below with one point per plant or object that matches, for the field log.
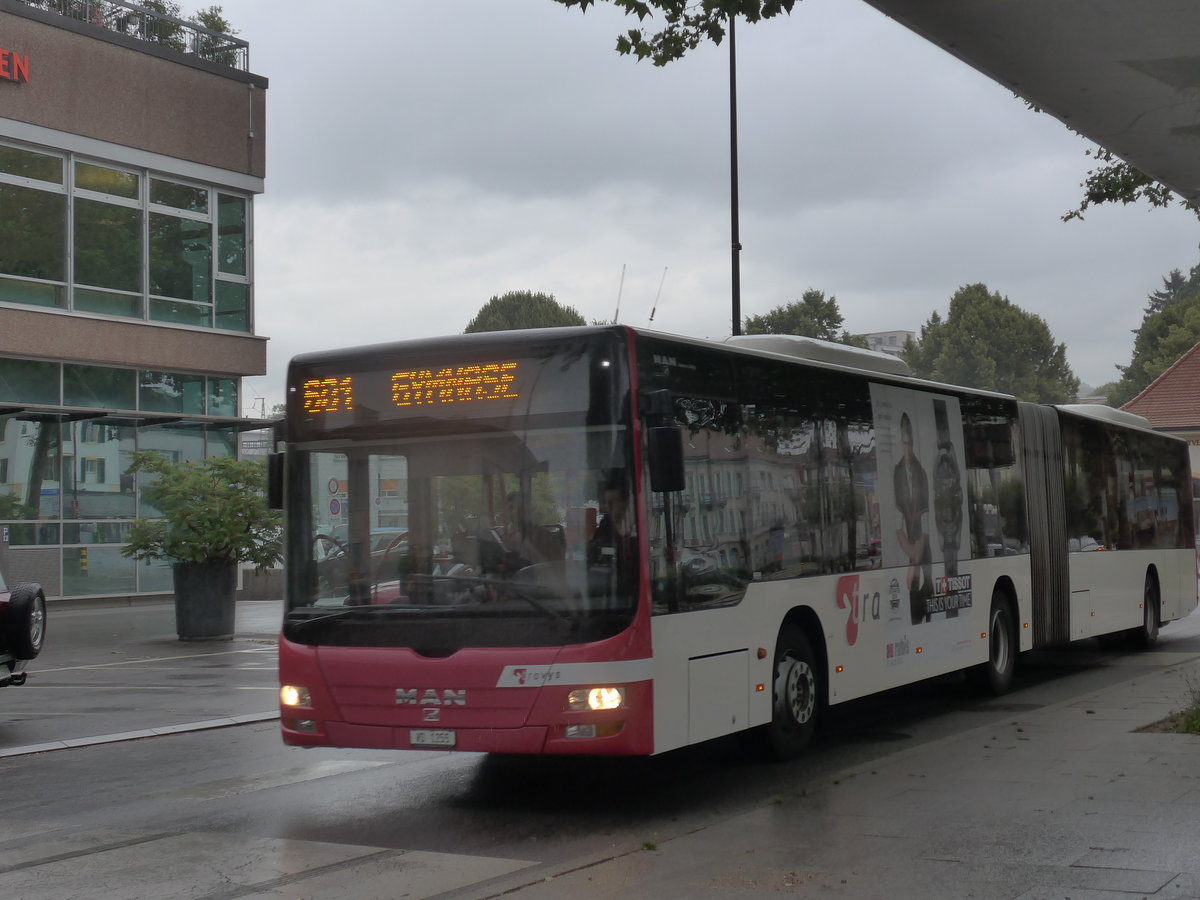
(134, 765)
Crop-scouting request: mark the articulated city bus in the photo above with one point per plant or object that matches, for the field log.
(610, 541)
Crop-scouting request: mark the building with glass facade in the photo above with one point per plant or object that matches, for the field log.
(131, 149)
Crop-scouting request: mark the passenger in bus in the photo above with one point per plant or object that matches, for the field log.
(613, 543)
(912, 500)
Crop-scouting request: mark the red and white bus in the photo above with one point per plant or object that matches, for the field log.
(610, 541)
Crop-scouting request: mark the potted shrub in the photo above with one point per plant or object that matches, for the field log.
(213, 516)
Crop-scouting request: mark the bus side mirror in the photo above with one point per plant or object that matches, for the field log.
(665, 446)
(275, 480)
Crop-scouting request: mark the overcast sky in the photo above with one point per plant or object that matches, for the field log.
(423, 157)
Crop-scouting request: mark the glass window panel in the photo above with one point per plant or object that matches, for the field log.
(180, 258)
(155, 576)
(28, 381)
(106, 181)
(181, 313)
(171, 392)
(95, 456)
(108, 245)
(231, 234)
(33, 232)
(222, 442)
(233, 306)
(98, 387)
(95, 532)
(28, 164)
(178, 443)
(180, 196)
(222, 396)
(31, 534)
(107, 303)
(91, 571)
(30, 489)
(33, 293)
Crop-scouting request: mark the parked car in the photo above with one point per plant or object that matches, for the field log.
(22, 628)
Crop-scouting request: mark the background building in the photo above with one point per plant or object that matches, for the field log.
(891, 342)
(131, 148)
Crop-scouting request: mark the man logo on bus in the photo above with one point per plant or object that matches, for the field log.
(851, 599)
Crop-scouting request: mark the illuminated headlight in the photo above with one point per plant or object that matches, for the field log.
(294, 695)
(596, 698)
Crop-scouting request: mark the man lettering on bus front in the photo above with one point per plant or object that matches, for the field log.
(912, 501)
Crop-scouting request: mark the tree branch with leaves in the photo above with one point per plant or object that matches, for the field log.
(688, 23)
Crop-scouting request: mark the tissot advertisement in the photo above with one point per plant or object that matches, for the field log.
(923, 508)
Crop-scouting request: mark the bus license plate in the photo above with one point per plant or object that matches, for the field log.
(423, 738)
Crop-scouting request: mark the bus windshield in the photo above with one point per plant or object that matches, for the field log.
(437, 533)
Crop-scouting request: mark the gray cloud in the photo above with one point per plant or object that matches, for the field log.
(423, 157)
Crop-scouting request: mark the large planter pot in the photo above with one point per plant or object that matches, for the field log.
(205, 601)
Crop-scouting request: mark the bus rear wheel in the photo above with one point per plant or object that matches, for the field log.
(995, 676)
(1143, 638)
(795, 699)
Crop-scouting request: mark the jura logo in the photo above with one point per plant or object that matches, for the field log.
(430, 697)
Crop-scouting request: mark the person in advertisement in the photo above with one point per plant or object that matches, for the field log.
(911, 485)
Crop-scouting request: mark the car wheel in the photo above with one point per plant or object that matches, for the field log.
(27, 620)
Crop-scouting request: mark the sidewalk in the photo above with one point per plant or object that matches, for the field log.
(119, 672)
(1067, 801)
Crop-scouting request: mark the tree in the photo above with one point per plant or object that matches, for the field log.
(688, 24)
(213, 511)
(1163, 338)
(523, 309)
(986, 341)
(214, 48)
(811, 316)
(1170, 327)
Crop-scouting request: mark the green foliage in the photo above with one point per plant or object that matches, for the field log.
(1116, 181)
(1163, 338)
(688, 23)
(988, 342)
(163, 31)
(1170, 328)
(523, 309)
(811, 316)
(209, 47)
(213, 510)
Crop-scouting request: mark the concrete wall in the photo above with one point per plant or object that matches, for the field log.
(85, 80)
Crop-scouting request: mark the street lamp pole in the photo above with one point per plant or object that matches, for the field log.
(735, 239)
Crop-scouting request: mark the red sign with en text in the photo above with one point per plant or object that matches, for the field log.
(14, 66)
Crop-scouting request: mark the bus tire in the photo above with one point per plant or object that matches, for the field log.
(995, 676)
(1143, 638)
(795, 697)
(26, 620)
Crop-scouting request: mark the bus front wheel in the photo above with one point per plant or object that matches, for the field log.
(1143, 638)
(796, 697)
(995, 676)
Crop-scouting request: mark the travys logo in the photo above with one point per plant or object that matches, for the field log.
(858, 605)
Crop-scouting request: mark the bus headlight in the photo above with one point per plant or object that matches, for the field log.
(596, 698)
(294, 695)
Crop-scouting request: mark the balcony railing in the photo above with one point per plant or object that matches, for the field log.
(154, 27)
